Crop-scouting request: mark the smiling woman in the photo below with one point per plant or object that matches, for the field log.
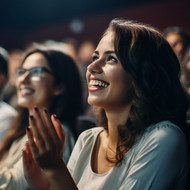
(140, 145)
(35, 83)
(43, 80)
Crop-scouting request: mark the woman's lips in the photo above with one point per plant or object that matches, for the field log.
(26, 91)
(97, 84)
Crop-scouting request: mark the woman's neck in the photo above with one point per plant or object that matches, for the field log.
(116, 118)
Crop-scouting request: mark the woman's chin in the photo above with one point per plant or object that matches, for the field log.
(24, 105)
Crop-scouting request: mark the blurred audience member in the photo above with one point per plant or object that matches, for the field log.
(84, 54)
(43, 80)
(9, 93)
(72, 44)
(6, 111)
(64, 47)
(186, 77)
(179, 40)
(186, 69)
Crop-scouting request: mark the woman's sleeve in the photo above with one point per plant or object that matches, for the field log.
(13, 178)
(69, 144)
(160, 162)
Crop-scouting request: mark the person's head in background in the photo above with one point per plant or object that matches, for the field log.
(179, 39)
(186, 70)
(4, 58)
(63, 46)
(85, 51)
(50, 79)
(154, 94)
(15, 59)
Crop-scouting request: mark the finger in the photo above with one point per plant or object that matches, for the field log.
(26, 160)
(58, 128)
(50, 125)
(42, 128)
(33, 146)
(38, 137)
(29, 153)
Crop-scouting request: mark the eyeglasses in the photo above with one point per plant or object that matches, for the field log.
(34, 73)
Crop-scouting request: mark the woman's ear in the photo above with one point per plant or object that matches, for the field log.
(59, 89)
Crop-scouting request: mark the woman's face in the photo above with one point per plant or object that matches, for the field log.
(108, 84)
(35, 87)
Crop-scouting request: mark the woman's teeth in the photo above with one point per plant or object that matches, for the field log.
(26, 91)
(98, 83)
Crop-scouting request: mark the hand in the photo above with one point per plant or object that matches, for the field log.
(33, 174)
(46, 139)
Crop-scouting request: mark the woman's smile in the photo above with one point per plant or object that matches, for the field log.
(26, 91)
(97, 84)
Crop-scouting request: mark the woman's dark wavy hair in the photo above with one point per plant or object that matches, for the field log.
(67, 106)
(154, 67)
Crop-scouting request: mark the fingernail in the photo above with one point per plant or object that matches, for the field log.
(28, 128)
(55, 116)
(35, 108)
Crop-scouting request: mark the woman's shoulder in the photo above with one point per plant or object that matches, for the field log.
(89, 134)
(164, 131)
(7, 109)
(163, 138)
(163, 126)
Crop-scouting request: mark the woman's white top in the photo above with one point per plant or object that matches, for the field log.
(7, 114)
(11, 167)
(158, 161)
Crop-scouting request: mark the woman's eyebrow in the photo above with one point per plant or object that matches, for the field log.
(107, 52)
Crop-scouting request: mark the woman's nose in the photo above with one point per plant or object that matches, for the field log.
(95, 67)
(24, 78)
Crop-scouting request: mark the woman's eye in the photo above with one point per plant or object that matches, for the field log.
(20, 73)
(113, 59)
(35, 72)
(94, 58)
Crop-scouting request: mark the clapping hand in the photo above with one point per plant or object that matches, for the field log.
(43, 154)
(46, 139)
(44, 148)
(33, 174)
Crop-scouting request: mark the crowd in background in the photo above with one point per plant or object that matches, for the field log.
(81, 53)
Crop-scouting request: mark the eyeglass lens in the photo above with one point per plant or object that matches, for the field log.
(35, 74)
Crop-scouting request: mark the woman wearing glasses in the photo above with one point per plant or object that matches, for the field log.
(44, 80)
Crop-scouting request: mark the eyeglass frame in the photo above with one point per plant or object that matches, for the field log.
(42, 69)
